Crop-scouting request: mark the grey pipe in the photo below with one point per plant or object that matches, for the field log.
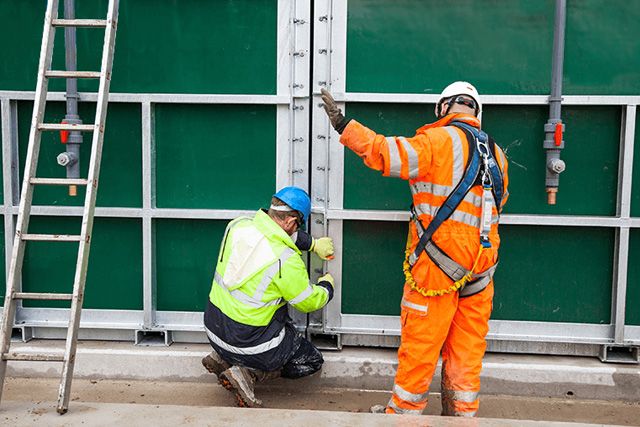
(554, 165)
(72, 158)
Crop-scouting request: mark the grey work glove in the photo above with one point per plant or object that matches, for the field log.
(337, 119)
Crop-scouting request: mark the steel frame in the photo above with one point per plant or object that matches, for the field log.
(564, 337)
(326, 172)
(292, 129)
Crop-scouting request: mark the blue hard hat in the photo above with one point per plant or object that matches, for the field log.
(296, 198)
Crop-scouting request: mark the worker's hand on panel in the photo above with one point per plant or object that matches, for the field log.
(327, 278)
(323, 247)
(336, 117)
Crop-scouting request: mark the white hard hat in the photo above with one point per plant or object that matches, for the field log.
(460, 88)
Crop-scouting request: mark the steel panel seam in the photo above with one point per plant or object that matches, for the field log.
(149, 289)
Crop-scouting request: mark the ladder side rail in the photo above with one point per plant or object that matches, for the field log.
(89, 208)
(17, 256)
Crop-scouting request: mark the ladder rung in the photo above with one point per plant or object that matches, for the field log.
(43, 296)
(74, 74)
(58, 181)
(66, 126)
(52, 237)
(100, 23)
(33, 357)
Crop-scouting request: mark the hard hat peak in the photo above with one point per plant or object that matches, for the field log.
(297, 199)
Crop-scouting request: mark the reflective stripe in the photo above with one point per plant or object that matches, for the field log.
(302, 295)
(463, 217)
(474, 199)
(418, 307)
(270, 272)
(458, 156)
(242, 297)
(428, 187)
(413, 166)
(409, 397)
(460, 395)
(475, 287)
(395, 164)
(399, 410)
(256, 349)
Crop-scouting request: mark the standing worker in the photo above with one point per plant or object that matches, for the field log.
(458, 179)
(259, 270)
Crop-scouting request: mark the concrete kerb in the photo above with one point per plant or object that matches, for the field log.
(353, 368)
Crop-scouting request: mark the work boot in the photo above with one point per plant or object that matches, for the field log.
(238, 380)
(261, 376)
(214, 363)
(378, 409)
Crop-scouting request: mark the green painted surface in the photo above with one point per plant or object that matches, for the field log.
(587, 187)
(421, 46)
(535, 281)
(185, 46)
(633, 277)
(186, 254)
(502, 46)
(372, 278)
(635, 184)
(602, 45)
(114, 275)
(554, 274)
(121, 167)
(215, 156)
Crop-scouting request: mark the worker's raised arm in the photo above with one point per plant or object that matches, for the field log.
(399, 157)
(293, 282)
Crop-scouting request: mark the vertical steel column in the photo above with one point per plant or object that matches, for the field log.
(335, 178)
(148, 204)
(292, 164)
(625, 177)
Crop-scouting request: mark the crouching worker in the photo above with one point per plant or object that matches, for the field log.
(259, 270)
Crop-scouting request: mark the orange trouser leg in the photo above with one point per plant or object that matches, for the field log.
(425, 324)
(462, 354)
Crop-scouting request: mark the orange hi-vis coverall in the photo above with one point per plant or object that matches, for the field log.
(433, 162)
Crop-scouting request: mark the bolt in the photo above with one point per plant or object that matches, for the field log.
(298, 139)
(556, 165)
(319, 221)
(66, 159)
(320, 168)
(299, 21)
(321, 137)
(297, 171)
(322, 51)
(322, 83)
(296, 85)
(299, 53)
(319, 199)
(323, 18)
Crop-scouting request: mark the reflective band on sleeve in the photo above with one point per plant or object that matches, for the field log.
(460, 395)
(302, 295)
(270, 272)
(399, 410)
(409, 397)
(256, 349)
(458, 155)
(395, 164)
(414, 168)
(418, 307)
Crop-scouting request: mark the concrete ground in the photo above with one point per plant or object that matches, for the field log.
(116, 379)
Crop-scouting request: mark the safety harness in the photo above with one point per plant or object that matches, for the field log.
(482, 169)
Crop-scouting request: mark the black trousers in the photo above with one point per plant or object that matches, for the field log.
(303, 359)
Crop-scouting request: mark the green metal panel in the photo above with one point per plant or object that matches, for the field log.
(635, 186)
(502, 46)
(602, 45)
(587, 187)
(215, 156)
(121, 167)
(535, 281)
(186, 254)
(417, 46)
(185, 46)
(554, 274)
(114, 276)
(633, 277)
(372, 278)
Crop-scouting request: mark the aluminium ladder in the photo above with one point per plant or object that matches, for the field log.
(14, 293)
